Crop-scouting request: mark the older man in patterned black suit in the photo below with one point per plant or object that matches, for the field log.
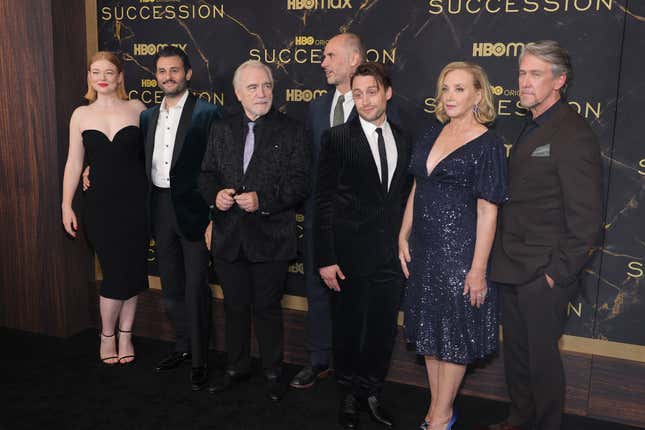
(256, 173)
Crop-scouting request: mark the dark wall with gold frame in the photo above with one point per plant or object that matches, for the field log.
(415, 39)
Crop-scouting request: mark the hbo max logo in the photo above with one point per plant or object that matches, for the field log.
(318, 4)
(297, 95)
(485, 49)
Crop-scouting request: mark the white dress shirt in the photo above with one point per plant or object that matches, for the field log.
(165, 134)
(390, 146)
(348, 105)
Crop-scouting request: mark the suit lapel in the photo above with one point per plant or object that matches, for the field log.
(150, 138)
(185, 122)
(352, 115)
(237, 131)
(537, 137)
(324, 114)
(364, 151)
(401, 159)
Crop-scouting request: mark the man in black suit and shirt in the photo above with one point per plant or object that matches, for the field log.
(362, 188)
(175, 135)
(343, 53)
(256, 173)
(546, 232)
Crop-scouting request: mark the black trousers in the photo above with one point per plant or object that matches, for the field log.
(183, 268)
(318, 322)
(364, 321)
(533, 318)
(253, 289)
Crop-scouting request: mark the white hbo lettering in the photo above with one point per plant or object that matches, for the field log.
(486, 49)
(297, 95)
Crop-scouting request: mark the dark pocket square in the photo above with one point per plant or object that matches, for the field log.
(542, 151)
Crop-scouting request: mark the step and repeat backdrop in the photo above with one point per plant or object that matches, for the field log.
(415, 39)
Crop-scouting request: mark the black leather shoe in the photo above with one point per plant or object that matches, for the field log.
(226, 382)
(377, 413)
(172, 361)
(198, 377)
(308, 376)
(348, 416)
(276, 388)
(504, 425)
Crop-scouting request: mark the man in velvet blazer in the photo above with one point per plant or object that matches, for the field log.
(545, 235)
(175, 134)
(361, 193)
(256, 173)
(343, 53)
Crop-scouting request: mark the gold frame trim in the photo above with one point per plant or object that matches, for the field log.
(578, 344)
(569, 343)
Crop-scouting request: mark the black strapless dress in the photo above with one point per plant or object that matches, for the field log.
(115, 208)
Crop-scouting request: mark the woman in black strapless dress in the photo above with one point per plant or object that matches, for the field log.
(115, 205)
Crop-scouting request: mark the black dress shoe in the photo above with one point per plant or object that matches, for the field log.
(198, 377)
(276, 388)
(308, 376)
(348, 417)
(504, 425)
(172, 361)
(226, 382)
(377, 413)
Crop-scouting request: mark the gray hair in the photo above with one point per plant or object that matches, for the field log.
(551, 52)
(247, 64)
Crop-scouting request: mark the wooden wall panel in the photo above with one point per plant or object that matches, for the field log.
(43, 275)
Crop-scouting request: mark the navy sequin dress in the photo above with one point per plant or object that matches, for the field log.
(439, 319)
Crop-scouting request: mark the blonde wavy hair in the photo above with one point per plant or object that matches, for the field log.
(485, 112)
(90, 95)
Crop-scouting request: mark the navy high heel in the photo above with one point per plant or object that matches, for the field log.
(453, 419)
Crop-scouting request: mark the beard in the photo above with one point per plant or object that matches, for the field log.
(181, 86)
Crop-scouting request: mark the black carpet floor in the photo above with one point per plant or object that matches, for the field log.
(51, 383)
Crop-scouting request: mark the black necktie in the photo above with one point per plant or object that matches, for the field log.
(383, 156)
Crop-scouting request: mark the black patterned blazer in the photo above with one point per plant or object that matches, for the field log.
(278, 172)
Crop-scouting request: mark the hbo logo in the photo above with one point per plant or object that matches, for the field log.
(304, 40)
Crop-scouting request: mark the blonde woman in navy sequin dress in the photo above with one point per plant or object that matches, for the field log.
(448, 228)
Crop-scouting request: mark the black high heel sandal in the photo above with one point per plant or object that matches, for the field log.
(132, 356)
(104, 360)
